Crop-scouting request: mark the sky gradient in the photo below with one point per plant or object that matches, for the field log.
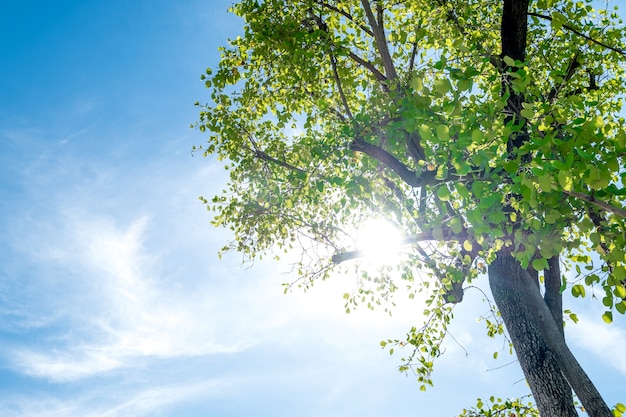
(113, 301)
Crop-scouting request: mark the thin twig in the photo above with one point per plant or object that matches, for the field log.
(600, 204)
(349, 17)
(579, 33)
(344, 100)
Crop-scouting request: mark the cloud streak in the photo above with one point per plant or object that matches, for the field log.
(112, 307)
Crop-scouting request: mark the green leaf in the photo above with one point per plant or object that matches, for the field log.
(578, 291)
(509, 61)
(527, 113)
(416, 84)
(540, 264)
(443, 193)
(545, 182)
(425, 132)
(442, 86)
(443, 133)
(607, 317)
(455, 225)
(565, 180)
(558, 20)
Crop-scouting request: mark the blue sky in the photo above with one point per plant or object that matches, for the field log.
(112, 299)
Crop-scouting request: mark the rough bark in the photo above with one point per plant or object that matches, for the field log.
(534, 323)
(548, 364)
(550, 390)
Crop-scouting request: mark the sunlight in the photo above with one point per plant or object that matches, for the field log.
(380, 241)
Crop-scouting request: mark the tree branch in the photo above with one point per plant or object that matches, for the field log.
(446, 234)
(412, 60)
(262, 155)
(344, 100)
(579, 33)
(600, 204)
(513, 28)
(569, 73)
(369, 66)
(347, 16)
(381, 41)
(408, 176)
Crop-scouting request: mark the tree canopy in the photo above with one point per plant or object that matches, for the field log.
(488, 132)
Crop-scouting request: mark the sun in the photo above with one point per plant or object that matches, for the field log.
(379, 240)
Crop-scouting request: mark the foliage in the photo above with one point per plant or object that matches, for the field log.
(330, 113)
(496, 407)
(619, 410)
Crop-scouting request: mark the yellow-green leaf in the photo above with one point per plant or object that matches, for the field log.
(541, 264)
(416, 84)
(565, 180)
(443, 133)
(442, 86)
(443, 193)
(578, 291)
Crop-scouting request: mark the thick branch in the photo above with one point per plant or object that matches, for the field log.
(442, 234)
(393, 163)
(412, 59)
(513, 33)
(571, 70)
(369, 66)
(579, 33)
(381, 41)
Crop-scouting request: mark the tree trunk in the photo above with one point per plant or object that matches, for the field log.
(548, 386)
(547, 363)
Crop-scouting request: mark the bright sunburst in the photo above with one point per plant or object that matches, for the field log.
(379, 240)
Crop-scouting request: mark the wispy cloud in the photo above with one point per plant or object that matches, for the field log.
(133, 402)
(113, 306)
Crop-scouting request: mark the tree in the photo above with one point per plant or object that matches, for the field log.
(488, 132)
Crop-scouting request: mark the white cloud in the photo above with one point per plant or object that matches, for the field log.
(604, 341)
(133, 402)
(113, 306)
